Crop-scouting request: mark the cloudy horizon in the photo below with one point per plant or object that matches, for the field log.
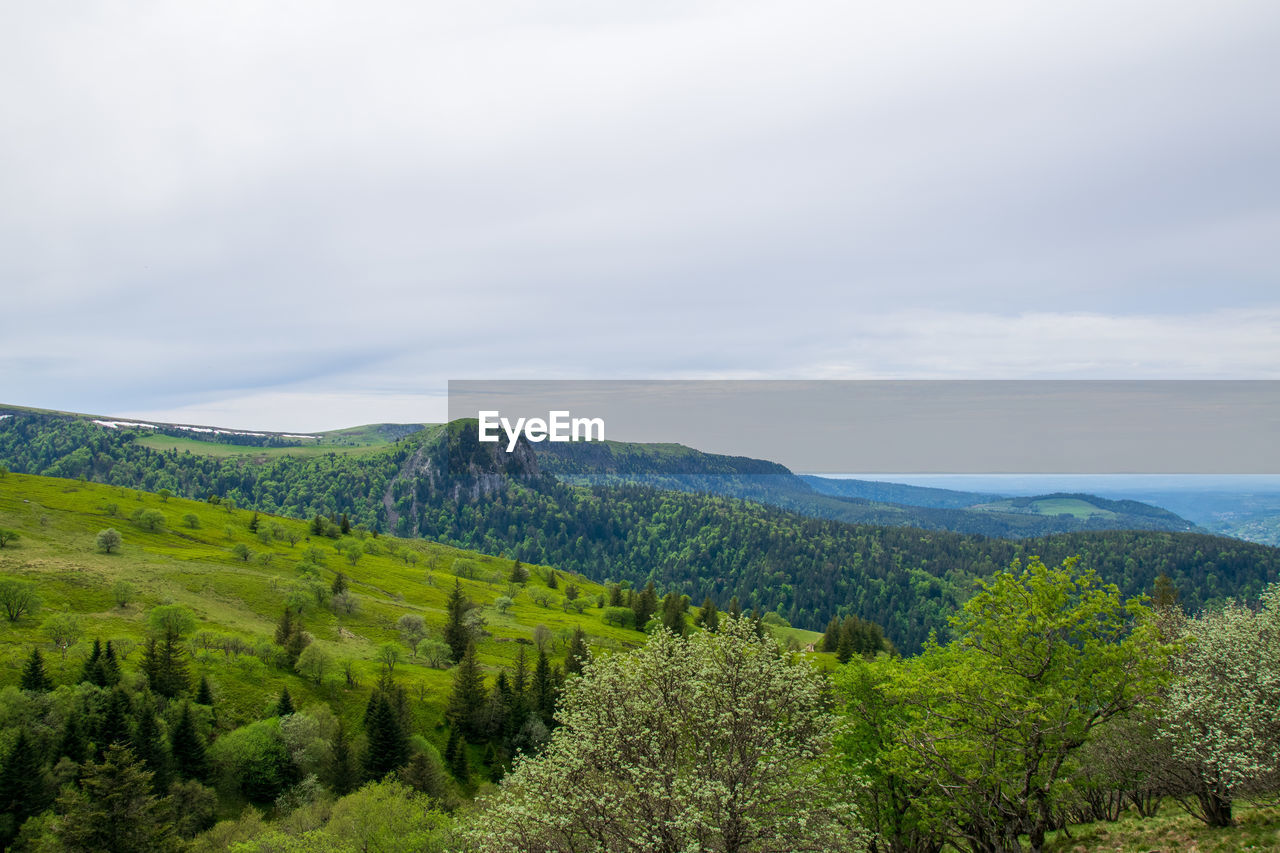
(298, 217)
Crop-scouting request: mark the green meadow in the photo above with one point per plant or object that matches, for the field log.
(238, 581)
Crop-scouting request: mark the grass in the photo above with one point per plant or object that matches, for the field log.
(1258, 828)
(58, 521)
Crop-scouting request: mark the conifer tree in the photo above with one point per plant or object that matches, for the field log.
(113, 810)
(466, 702)
(204, 695)
(284, 628)
(22, 790)
(578, 653)
(345, 776)
(708, 617)
(339, 584)
(346, 525)
(830, 637)
(735, 608)
(388, 746)
(33, 674)
(110, 666)
(519, 574)
(673, 614)
(456, 633)
(114, 727)
(73, 742)
(544, 690)
(150, 747)
(457, 759)
(426, 774)
(253, 523)
(187, 747)
(284, 706)
(92, 671)
(645, 605)
(844, 648)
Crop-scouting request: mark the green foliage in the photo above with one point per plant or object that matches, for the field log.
(1219, 715)
(254, 760)
(18, 598)
(150, 519)
(109, 540)
(467, 701)
(388, 748)
(983, 726)
(723, 737)
(114, 810)
(33, 675)
(8, 536)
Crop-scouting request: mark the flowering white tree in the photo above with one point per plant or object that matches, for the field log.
(1222, 714)
(715, 742)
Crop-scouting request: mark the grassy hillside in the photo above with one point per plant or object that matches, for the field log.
(58, 520)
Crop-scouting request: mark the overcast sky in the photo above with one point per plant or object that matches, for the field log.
(302, 215)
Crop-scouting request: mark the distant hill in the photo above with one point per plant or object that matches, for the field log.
(674, 466)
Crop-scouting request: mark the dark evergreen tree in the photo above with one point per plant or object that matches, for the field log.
(457, 758)
(187, 747)
(426, 774)
(92, 671)
(113, 725)
(284, 629)
(708, 617)
(553, 581)
(735, 608)
(346, 525)
(114, 810)
(339, 584)
(673, 614)
(149, 746)
(456, 633)
(467, 701)
(645, 605)
(165, 665)
(345, 776)
(831, 637)
(578, 653)
(845, 647)
(545, 693)
(519, 574)
(317, 526)
(110, 666)
(388, 747)
(33, 674)
(204, 695)
(22, 789)
(253, 523)
(73, 743)
(284, 705)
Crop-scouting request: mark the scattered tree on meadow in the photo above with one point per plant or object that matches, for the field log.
(18, 598)
(109, 540)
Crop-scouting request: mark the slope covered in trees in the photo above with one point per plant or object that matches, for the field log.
(441, 484)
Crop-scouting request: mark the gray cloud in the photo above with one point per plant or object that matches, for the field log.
(207, 204)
